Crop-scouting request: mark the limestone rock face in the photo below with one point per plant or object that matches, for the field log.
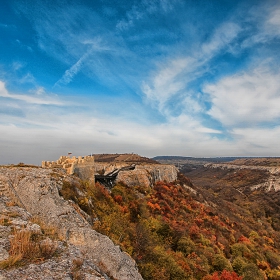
(85, 172)
(272, 183)
(71, 261)
(38, 191)
(143, 174)
(148, 174)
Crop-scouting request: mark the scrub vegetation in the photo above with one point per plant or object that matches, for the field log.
(174, 233)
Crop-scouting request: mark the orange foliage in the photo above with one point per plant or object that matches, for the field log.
(124, 209)
(153, 206)
(244, 240)
(263, 265)
(194, 230)
(118, 199)
(225, 275)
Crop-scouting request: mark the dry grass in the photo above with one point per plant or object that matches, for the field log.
(11, 203)
(27, 247)
(47, 230)
(21, 244)
(13, 214)
(10, 262)
(47, 248)
(21, 164)
(5, 221)
(75, 269)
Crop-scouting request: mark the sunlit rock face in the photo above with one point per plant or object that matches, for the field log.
(145, 172)
(37, 192)
(272, 183)
(142, 175)
(146, 175)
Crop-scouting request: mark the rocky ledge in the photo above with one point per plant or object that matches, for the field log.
(143, 174)
(271, 184)
(79, 250)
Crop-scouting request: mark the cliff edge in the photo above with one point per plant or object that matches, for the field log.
(36, 190)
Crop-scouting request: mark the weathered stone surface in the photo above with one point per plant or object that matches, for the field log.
(149, 174)
(272, 183)
(143, 175)
(3, 254)
(62, 267)
(85, 172)
(38, 191)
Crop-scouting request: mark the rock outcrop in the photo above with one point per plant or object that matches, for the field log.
(145, 172)
(70, 262)
(272, 183)
(38, 190)
(142, 175)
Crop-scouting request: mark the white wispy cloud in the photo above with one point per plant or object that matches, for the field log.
(143, 9)
(70, 73)
(166, 82)
(7, 26)
(174, 76)
(39, 91)
(3, 90)
(27, 78)
(90, 136)
(96, 45)
(83, 43)
(65, 39)
(248, 97)
(274, 19)
(271, 26)
(43, 100)
(257, 141)
(265, 20)
(244, 99)
(52, 127)
(24, 135)
(221, 38)
(16, 65)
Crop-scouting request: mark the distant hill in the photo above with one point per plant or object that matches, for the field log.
(205, 159)
(131, 158)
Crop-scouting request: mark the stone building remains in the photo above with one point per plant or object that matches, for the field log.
(82, 166)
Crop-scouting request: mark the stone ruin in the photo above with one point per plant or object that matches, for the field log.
(70, 164)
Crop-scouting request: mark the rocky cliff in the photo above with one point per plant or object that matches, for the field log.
(145, 172)
(142, 175)
(38, 192)
(272, 182)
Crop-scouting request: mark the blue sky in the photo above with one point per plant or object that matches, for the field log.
(154, 77)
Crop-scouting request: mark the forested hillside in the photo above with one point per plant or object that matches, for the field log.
(175, 231)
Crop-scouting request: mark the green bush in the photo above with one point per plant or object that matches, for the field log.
(239, 250)
(185, 245)
(273, 259)
(238, 263)
(220, 263)
(251, 272)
